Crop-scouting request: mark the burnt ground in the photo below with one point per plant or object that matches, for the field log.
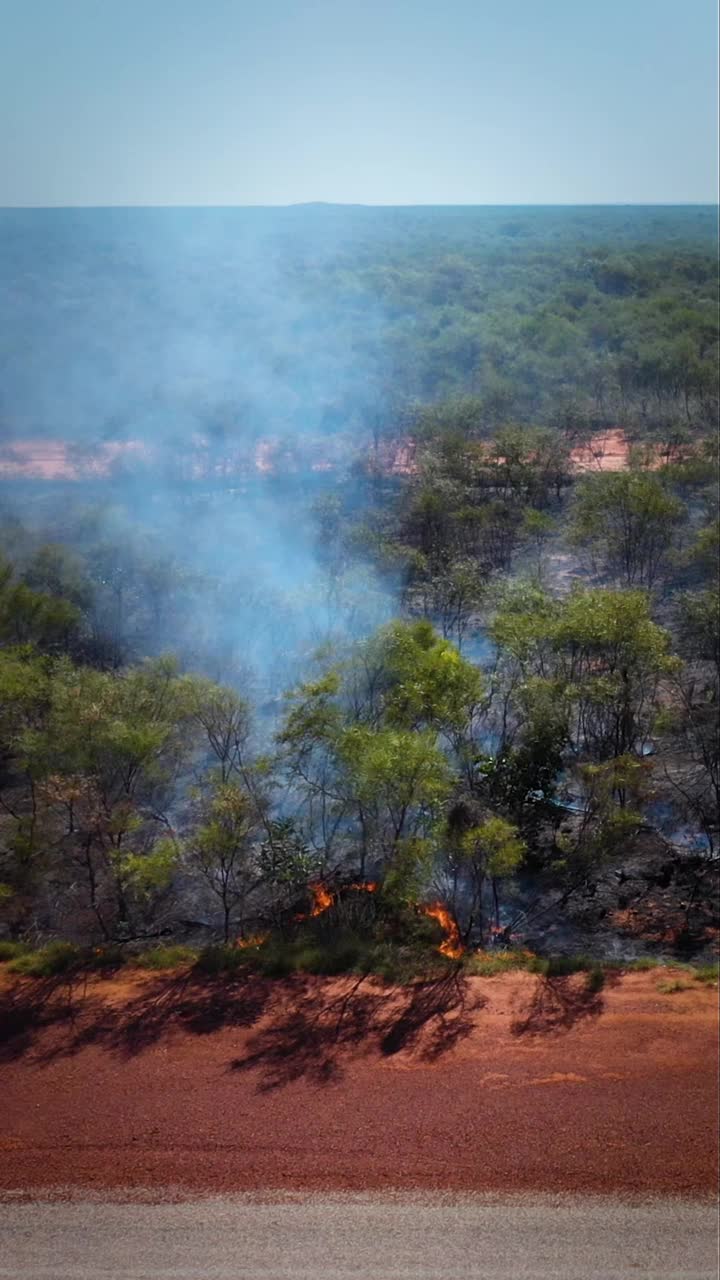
(513, 1083)
(653, 902)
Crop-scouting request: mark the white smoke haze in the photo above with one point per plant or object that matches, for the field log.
(185, 350)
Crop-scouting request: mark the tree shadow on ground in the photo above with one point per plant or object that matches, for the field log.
(30, 1008)
(557, 1005)
(313, 1033)
(178, 1002)
(308, 1028)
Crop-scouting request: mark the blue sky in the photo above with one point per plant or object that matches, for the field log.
(109, 102)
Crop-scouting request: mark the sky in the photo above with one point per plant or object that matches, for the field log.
(237, 102)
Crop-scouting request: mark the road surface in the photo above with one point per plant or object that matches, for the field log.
(360, 1236)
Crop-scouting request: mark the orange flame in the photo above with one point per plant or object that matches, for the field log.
(254, 940)
(322, 899)
(452, 946)
(365, 886)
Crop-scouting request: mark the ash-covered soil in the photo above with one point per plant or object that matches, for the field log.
(512, 1083)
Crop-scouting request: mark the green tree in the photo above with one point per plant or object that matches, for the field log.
(629, 520)
(222, 850)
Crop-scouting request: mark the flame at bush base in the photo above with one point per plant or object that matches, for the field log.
(254, 940)
(452, 947)
(322, 900)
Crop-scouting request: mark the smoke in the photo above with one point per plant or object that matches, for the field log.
(209, 344)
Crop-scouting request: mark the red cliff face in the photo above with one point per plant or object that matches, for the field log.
(62, 460)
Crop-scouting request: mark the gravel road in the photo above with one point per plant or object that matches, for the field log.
(363, 1236)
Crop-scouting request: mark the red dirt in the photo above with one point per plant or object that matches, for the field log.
(509, 1083)
(61, 460)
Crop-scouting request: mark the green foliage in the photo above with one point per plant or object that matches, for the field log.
(424, 682)
(489, 964)
(216, 960)
(36, 618)
(147, 873)
(708, 974)
(670, 986)
(562, 966)
(165, 957)
(497, 841)
(395, 770)
(595, 980)
(629, 517)
(49, 961)
(11, 950)
(698, 616)
(407, 875)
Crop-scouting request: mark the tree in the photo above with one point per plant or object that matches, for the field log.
(602, 650)
(102, 771)
(362, 745)
(479, 856)
(629, 519)
(221, 848)
(397, 780)
(29, 617)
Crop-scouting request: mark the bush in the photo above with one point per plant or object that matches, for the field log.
(595, 980)
(221, 959)
(707, 973)
(110, 957)
(561, 966)
(164, 957)
(10, 950)
(279, 957)
(487, 964)
(54, 958)
(669, 986)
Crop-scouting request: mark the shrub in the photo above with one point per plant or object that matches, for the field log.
(669, 986)
(52, 959)
(279, 957)
(164, 957)
(595, 980)
(221, 959)
(561, 966)
(110, 957)
(10, 950)
(487, 964)
(707, 973)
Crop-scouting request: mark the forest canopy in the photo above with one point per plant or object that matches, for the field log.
(360, 708)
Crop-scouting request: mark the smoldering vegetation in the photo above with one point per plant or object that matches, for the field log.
(322, 581)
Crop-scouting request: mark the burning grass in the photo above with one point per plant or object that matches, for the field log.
(351, 929)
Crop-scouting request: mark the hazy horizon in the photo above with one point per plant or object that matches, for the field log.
(397, 104)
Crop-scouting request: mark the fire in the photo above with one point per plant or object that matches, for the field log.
(254, 940)
(452, 946)
(322, 899)
(365, 886)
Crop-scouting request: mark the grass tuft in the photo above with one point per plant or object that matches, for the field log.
(708, 974)
(50, 960)
(11, 950)
(487, 964)
(221, 959)
(165, 957)
(562, 966)
(669, 986)
(595, 979)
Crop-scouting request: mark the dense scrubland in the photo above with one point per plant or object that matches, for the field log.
(367, 717)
